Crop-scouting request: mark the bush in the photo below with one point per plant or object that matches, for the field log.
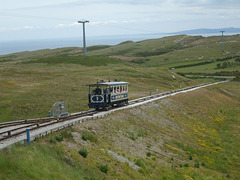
(84, 137)
(140, 163)
(53, 141)
(186, 165)
(67, 134)
(196, 164)
(142, 133)
(59, 138)
(103, 168)
(83, 152)
(89, 136)
(132, 136)
(149, 154)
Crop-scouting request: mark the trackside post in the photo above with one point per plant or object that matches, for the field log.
(28, 135)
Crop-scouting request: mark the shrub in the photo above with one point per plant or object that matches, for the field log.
(67, 134)
(190, 157)
(186, 165)
(83, 152)
(132, 136)
(89, 136)
(53, 141)
(142, 133)
(140, 163)
(149, 154)
(103, 168)
(59, 138)
(196, 164)
(84, 137)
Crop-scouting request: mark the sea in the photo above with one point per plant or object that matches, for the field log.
(8, 47)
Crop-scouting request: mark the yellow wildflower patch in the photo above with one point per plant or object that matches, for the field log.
(11, 82)
(173, 148)
(191, 169)
(187, 133)
(187, 177)
(218, 119)
(194, 119)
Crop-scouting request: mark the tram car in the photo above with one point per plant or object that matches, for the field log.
(104, 95)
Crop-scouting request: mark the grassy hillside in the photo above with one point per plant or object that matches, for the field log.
(181, 50)
(30, 87)
(187, 136)
(191, 135)
(166, 52)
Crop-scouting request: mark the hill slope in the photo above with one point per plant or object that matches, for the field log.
(167, 52)
(187, 136)
(176, 50)
(30, 87)
(191, 135)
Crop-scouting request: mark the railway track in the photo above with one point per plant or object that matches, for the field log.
(11, 130)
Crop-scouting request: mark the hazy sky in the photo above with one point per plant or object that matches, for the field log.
(35, 19)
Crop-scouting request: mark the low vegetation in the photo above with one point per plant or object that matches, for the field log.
(83, 152)
(191, 135)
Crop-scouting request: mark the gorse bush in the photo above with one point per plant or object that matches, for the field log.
(83, 152)
(132, 136)
(67, 134)
(89, 136)
(140, 163)
(103, 167)
(59, 138)
(149, 154)
(53, 141)
(197, 164)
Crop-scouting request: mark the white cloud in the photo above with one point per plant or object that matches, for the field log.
(95, 23)
(17, 28)
(28, 27)
(67, 25)
(111, 16)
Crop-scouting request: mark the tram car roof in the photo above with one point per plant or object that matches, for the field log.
(113, 83)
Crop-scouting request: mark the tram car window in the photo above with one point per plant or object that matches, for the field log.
(104, 95)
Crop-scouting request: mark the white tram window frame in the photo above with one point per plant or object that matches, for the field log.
(114, 89)
(118, 89)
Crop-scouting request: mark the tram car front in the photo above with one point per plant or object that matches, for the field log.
(104, 95)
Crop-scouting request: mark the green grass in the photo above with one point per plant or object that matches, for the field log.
(82, 60)
(88, 136)
(201, 124)
(29, 89)
(160, 137)
(177, 51)
(39, 161)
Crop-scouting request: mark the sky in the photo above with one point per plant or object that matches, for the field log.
(44, 19)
